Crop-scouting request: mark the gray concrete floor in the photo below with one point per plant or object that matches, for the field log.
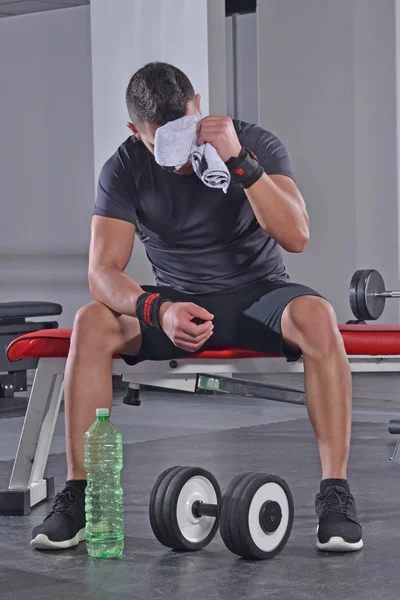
(226, 435)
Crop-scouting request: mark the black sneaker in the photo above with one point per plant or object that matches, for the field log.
(339, 529)
(64, 526)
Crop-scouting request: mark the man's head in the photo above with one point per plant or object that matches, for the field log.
(156, 94)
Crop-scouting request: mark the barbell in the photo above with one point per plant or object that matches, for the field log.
(368, 294)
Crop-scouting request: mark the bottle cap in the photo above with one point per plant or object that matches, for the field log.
(102, 412)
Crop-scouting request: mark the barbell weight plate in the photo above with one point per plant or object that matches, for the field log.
(375, 284)
(363, 301)
(361, 294)
(353, 295)
(187, 487)
(369, 305)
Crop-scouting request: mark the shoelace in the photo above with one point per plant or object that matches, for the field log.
(62, 502)
(338, 502)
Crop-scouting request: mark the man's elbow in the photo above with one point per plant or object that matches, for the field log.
(299, 243)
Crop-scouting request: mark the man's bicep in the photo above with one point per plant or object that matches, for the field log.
(287, 185)
(111, 243)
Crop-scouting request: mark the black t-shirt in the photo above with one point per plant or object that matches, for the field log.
(198, 239)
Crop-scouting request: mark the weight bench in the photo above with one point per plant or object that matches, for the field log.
(371, 348)
(13, 323)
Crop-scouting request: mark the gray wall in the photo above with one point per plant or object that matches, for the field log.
(327, 87)
(46, 157)
(216, 57)
(230, 85)
(376, 153)
(246, 59)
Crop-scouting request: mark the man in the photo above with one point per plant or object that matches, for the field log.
(220, 281)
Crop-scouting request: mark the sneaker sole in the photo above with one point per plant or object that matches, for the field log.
(42, 542)
(338, 544)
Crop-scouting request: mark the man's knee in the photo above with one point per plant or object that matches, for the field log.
(93, 323)
(313, 323)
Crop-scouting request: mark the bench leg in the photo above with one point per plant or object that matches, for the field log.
(27, 485)
(396, 454)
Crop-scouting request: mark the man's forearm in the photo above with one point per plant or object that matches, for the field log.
(115, 289)
(280, 214)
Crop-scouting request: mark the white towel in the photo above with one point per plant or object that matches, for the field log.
(176, 143)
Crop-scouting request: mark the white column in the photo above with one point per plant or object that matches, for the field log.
(126, 35)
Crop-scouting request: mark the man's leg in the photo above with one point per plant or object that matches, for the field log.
(310, 324)
(98, 333)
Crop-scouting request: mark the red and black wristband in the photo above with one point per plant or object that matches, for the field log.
(245, 168)
(148, 308)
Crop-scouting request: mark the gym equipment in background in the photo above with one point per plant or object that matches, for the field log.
(13, 323)
(368, 294)
(255, 515)
(394, 429)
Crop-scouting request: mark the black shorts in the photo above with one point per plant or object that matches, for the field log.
(248, 317)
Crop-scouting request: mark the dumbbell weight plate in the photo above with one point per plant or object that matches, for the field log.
(364, 304)
(156, 505)
(171, 508)
(256, 515)
(228, 524)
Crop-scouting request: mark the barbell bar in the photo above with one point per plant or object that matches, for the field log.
(368, 294)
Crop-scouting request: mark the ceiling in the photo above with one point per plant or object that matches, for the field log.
(10, 8)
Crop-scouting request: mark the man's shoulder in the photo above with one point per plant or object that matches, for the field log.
(254, 134)
(269, 149)
(133, 147)
(129, 156)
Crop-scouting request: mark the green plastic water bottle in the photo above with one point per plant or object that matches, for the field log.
(104, 494)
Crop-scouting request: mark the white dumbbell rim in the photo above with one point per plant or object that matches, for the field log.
(196, 489)
(270, 491)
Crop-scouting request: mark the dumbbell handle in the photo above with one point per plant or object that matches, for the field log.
(201, 509)
(393, 294)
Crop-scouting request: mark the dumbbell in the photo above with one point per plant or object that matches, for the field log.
(368, 295)
(255, 515)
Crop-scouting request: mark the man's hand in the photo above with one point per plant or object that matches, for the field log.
(176, 320)
(220, 133)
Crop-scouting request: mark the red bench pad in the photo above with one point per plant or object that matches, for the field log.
(358, 339)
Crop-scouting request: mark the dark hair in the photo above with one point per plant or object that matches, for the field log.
(158, 93)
